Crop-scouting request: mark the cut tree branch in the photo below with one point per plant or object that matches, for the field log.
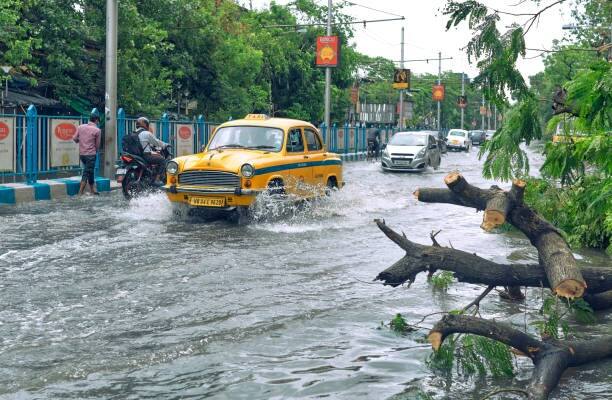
(555, 255)
(471, 268)
(551, 358)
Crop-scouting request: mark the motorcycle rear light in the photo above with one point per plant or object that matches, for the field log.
(126, 158)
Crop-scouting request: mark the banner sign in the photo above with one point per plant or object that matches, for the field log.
(462, 101)
(328, 51)
(401, 78)
(355, 95)
(64, 151)
(437, 93)
(184, 140)
(7, 144)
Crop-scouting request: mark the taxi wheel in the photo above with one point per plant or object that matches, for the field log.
(331, 186)
(276, 187)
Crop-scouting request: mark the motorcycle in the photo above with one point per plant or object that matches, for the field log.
(137, 176)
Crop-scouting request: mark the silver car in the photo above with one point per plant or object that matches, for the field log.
(411, 151)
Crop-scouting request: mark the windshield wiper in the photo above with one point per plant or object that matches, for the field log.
(262, 147)
(229, 146)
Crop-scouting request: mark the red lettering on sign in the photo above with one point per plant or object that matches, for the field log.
(65, 131)
(4, 131)
(184, 132)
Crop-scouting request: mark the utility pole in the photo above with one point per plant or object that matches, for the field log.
(401, 110)
(488, 115)
(482, 116)
(439, 82)
(495, 117)
(110, 112)
(462, 94)
(328, 70)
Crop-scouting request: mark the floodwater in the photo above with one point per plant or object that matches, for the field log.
(104, 299)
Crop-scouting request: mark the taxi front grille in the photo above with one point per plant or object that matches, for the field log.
(209, 178)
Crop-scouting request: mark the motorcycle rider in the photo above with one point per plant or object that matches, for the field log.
(149, 144)
(374, 140)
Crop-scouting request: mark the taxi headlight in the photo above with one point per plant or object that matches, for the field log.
(172, 167)
(247, 170)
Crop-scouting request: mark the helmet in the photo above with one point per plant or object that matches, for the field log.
(143, 121)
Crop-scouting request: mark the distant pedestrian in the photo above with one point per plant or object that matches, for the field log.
(88, 137)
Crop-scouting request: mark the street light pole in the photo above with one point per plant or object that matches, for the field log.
(439, 82)
(462, 94)
(401, 110)
(328, 70)
(110, 127)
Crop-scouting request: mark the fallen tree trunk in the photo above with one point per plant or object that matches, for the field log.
(471, 268)
(551, 357)
(555, 255)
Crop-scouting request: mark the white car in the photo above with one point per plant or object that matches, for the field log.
(411, 151)
(458, 139)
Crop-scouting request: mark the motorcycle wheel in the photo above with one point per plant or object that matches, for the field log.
(131, 185)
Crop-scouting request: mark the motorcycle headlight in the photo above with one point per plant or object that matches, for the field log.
(247, 170)
(172, 167)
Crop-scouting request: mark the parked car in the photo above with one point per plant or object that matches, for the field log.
(477, 136)
(490, 134)
(458, 139)
(250, 156)
(411, 151)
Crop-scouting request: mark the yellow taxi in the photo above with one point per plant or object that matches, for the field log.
(250, 156)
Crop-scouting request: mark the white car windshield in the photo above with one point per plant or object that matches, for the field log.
(456, 133)
(247, 137)
(408, 140)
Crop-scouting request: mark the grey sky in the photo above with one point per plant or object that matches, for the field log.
(425, 34)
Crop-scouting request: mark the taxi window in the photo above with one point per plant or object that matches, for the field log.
(295, 144)
(312, 140)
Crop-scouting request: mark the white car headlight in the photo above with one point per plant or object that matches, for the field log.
(172, 167)
(421, 152)
(247, 170)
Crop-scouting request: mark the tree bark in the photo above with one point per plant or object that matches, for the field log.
(499, 206)
(551, 358)
(471, 268)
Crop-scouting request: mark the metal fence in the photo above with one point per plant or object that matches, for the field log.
(352, 140)
(33, 146)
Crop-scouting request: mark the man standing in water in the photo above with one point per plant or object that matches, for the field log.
(88, 138)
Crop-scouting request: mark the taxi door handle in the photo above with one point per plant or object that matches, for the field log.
(305, 156)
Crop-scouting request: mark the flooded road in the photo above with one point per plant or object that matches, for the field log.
(101, 299)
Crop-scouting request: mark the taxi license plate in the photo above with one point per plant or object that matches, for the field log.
(455, 142)
(207, 201)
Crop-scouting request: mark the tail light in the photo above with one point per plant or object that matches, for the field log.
(126, 159)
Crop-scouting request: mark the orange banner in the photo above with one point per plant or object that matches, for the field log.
(328, 51)
(437, 93)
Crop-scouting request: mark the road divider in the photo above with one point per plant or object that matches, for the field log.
(49, 189)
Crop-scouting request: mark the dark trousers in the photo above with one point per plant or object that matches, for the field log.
(155, 160)
(89, 163)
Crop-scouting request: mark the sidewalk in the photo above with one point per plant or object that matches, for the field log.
(49, 189)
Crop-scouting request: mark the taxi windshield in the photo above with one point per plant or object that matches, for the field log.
(456, 133)
(248, 137)
(408, 140)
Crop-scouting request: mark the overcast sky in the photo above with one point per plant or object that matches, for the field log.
(425, 35)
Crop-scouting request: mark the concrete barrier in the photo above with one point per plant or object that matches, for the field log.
(49, 189)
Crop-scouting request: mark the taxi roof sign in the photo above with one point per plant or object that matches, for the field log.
(259, 117)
